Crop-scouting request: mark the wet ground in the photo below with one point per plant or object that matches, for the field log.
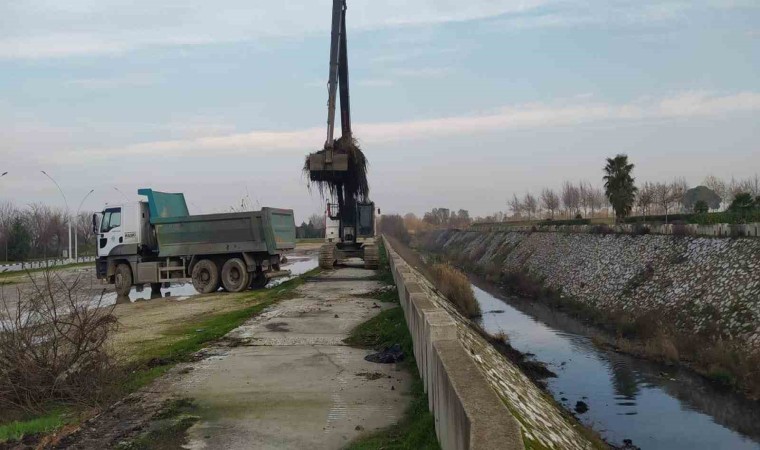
(655, 405)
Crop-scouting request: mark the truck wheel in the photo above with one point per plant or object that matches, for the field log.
(235, 276)
(327, 256)
(205, 276)
(259, 280)
(122, 279)
(371, 257)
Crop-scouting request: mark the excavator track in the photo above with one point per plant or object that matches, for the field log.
(371, 257)
(327, 256)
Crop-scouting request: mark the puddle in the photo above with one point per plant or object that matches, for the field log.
(181, 291)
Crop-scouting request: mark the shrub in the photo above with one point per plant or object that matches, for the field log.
(53, 345)
(455, 286)
(701, 207)
(601, 229)
(566, 222)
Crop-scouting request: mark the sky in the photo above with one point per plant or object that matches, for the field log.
(456, 104)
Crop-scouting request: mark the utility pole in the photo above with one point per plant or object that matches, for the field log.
(66, 202)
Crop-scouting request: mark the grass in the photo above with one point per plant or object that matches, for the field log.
(455, 286)
(168, 432)
(50, 422)
(416, 430)
(310, 241)
(157, 357)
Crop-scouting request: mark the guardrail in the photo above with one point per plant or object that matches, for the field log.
(468, 413)
(29, 265)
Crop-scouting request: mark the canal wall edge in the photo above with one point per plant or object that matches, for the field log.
(468, 413)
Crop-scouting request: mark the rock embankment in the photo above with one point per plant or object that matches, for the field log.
(698, 284)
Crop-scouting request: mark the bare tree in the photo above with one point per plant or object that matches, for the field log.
(678, 189)
(596, 200)
(515, 205)
(530, 205)
(645, 198)
(550, 201)
(570, 198)
(85, 235)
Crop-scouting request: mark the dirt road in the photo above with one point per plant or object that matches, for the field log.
(282, 380)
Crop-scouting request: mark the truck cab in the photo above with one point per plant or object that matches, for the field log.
(124, 230)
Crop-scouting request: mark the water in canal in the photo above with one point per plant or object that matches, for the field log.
(656, 406)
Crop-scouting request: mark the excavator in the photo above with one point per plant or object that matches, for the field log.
(341, 167)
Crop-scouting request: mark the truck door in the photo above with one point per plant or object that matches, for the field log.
(111, 233)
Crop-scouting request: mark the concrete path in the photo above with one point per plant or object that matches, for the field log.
(288, 381)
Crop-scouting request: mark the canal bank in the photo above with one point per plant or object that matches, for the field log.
(656, 406)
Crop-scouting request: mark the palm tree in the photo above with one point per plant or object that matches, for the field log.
(618, 185)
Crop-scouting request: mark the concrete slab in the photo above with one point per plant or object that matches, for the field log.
(291, 382)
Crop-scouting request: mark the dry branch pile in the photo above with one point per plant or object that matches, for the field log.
(353, 182)
(53, 345)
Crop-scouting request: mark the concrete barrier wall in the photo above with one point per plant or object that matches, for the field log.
(468, 412)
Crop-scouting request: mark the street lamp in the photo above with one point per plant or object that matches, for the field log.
(119, 191)
(76, 233)
(68, 213)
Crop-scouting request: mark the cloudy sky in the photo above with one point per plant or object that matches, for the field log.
(456, 104)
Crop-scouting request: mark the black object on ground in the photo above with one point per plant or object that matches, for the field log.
(581, 407)
(392, 354)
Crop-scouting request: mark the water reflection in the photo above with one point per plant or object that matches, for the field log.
(657, 406)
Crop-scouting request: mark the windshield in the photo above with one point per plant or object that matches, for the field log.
(111, 220)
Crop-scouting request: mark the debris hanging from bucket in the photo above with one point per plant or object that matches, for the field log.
(353, 182)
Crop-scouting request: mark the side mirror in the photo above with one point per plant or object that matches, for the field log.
(95, 223)
(378, 211)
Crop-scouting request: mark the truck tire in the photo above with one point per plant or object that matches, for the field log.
(371, 257)
(327, 256)
(205, 276)
(259, 280)
(235, 277)
(122, 279)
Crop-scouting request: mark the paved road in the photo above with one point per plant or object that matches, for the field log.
(291, 382)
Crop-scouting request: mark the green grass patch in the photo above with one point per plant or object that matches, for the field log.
(52, 421)
(416, 430)
(310, 241)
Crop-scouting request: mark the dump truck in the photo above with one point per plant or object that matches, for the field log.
(157, 241)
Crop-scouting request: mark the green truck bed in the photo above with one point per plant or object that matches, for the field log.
(270, 230)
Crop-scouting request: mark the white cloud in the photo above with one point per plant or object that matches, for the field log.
(113, 82)
(576, 111)
(42, 29)
(376, 82)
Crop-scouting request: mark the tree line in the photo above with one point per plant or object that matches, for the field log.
(41, 231)
(621, 196)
